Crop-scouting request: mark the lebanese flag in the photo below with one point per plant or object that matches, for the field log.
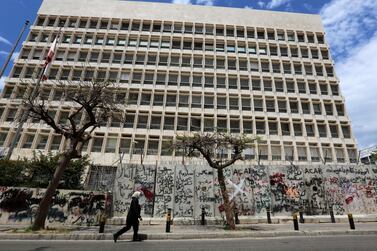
(50, 56)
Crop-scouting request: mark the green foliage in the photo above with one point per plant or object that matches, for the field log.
(38, 172)
(11, 172)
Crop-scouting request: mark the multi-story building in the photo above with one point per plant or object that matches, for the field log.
(185, 68)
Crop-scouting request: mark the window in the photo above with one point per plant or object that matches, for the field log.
(177, 28)
(297, 128)
(129, 120)
(110, 41)
(260, 126)
(99, 41)
(260, 34)
(258, 104)
(281, 36)
(196, 101)
(88, 40)
(121, 41)
(67, 39)
(169, 123)
(142, 122)
(183, 100)
(208, 102)
(132, 42)
(93, 24)
(83, 23)
(256, 84)
(97, 144)
(111, 144)
(155, 122)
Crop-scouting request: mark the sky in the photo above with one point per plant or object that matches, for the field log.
(351, 31)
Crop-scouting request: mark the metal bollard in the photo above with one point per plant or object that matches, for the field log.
(352, 223)
(203, 221)
(168, 220)
(102, 222)
(332, 215)
(295, 222)
(102, 228)
(269, 221)
(237, 221)
(302, 220)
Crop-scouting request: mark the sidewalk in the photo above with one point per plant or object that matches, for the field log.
(157, 232)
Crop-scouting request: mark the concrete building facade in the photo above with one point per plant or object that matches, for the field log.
(186, 69)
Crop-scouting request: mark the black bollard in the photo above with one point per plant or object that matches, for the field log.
(269, 221)
(302, 220)
(352, 223)
(168, 220)
(237, 221)
(102, 227)
(295, 222)
(332, 215)
(102, 222)
(203, 221)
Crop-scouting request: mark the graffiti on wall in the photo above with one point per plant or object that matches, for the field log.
(187, 189)
(19, 205)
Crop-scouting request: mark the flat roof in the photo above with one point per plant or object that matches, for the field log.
(183, 13)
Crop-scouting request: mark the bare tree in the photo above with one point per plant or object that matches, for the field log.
(96, 101)
(212, 147)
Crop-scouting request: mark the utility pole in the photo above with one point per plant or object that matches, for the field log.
(13, 49)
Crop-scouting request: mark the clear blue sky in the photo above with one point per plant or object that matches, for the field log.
(351, 27)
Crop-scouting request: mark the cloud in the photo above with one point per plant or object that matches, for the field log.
(351, 32)
(357, 74)
(261, 4)
(181, 1)
(5, 41)
(205, 2)
(4, 54)
(349, 23)
(2, 79)
(272, 4)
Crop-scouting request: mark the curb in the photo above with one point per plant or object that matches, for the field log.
(179, 236)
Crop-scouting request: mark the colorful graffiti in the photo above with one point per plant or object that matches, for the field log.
(187, 189)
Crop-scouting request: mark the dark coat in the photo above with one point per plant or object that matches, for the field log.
(134, 212)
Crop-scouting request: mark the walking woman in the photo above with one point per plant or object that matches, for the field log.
(133, 217)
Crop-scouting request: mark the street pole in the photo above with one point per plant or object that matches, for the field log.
(13, 49)
(25, 115)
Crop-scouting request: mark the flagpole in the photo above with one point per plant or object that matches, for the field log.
(26, 113)
(13, 49)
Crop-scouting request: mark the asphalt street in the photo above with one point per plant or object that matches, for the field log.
(288, 243)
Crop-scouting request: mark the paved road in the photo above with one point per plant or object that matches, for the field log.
(280, 244)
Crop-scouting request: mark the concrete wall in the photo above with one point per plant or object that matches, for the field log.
(182, 13)
(186, 189)
(19, 205)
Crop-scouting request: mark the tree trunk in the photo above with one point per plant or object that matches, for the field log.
(224, 193)
(44, 205)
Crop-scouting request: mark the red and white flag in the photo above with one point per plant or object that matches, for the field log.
(50, 56)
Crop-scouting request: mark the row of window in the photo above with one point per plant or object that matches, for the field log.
(187, 60)
(179, 28)
(184, 122)
(187, 44)
(208, 100)
(112, 143)
(183, 79)
(198, 101)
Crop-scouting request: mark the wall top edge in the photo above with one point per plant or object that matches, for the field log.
(182, 13)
